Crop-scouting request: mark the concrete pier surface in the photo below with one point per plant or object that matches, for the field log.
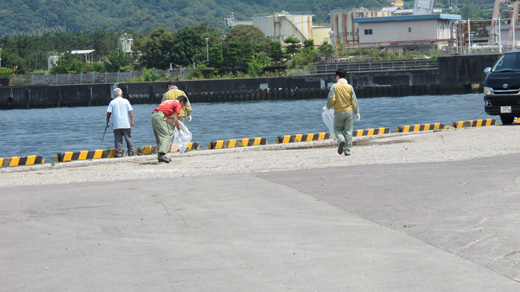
(434, 211)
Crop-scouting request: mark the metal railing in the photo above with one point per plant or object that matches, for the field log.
(88, 78)
(397, 65)
(118, 77)
(478, 49)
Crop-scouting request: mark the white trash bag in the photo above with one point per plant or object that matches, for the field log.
(182, 139)
(328, 119)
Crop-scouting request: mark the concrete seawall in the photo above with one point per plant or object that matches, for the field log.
(454, 75)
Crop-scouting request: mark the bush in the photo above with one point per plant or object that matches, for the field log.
(150, 75)
(6, 72)
(94, 67)
(14, 82)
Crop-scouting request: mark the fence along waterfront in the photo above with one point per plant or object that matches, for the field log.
(329, 68)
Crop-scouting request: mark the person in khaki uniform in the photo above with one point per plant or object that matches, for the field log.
(342, 98)
(171, 94)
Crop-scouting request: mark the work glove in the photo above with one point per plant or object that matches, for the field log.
(189, 118)
(358, 117)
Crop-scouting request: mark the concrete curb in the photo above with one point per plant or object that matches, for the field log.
(474, 123)
(153, 157)
(303, 137)
(86, 155)
(232, 143)
(151, 149)
(370, 132)
(419, 128)
(19, 161)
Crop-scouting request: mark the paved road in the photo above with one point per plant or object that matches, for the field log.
(434, 226)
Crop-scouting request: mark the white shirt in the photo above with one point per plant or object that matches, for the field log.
(119, 107)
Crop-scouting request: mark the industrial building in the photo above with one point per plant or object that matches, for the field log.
(344, 29)
(417, 29)
(280, 25)
(426, 32)
(320, 33)
(504, 30)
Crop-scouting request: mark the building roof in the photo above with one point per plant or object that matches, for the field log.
(408, 18)
(280, 14)
(80, 52)
(391, 9)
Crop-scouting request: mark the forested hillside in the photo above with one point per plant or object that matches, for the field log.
(166, 33)
(36, 17)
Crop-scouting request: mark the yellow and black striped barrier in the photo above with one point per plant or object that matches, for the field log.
(302, 138)
(418, 128)
(233, 143)
(86, 154)
(191, 146)
(474, 123)
(370, 132)
(146, 150)
(24, 160)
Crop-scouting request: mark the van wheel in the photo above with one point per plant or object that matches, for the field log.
(507, 120)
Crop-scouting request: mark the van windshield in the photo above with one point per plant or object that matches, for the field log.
(508, 63)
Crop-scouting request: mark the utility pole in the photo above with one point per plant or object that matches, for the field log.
(207, 49)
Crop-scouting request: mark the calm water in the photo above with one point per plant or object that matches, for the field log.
(54, 130)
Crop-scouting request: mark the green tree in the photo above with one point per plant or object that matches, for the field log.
(186, 43)
(156, 49)
(326, 51)
(238, 54)
(275, 51)
(304, 57)
(308, 45)
(103, 41)
(248, 33)
(216, 56)
(232, 54)
(213, 35)
(257, 64)
(10, 60)
(246, 54)
(68, 63)
(116, 60)
(293, 45)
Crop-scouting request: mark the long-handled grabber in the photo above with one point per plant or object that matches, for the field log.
(106, 127)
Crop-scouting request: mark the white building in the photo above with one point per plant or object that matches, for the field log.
(409, 32)
(52, 59)
(125, 43)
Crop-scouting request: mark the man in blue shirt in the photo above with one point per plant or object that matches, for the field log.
(121, 109)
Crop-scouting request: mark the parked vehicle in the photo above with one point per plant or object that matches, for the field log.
(502, 88)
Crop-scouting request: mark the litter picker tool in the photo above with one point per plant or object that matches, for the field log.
(106, 127)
